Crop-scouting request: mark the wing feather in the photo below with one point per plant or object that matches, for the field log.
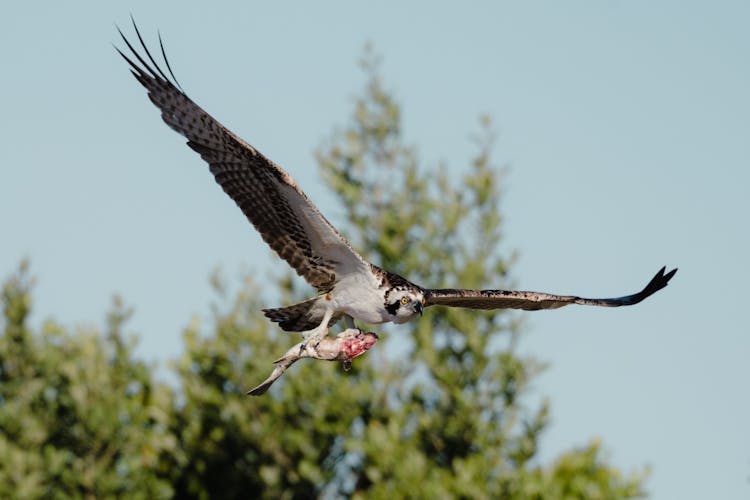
(534, 301)
(286, 219)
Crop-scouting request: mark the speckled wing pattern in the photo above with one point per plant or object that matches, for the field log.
(534, 301)
(286, 219)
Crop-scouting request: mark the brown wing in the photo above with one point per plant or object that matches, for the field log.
(286, 219)
(533, 301)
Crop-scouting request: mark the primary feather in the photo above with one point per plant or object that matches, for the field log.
(283, 215)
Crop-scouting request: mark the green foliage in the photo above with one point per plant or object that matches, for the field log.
(284, 446)
(79, 417)
(452, 422)
(438, 409)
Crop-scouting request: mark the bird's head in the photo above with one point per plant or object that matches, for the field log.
(404, 303)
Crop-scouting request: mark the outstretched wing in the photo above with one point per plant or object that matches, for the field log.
(286, 219)
(534, 301)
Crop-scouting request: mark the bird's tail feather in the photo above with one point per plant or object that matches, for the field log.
(302, 316)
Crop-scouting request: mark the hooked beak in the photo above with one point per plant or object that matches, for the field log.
(418, 307)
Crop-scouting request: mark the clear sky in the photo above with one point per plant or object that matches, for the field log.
(625, 126)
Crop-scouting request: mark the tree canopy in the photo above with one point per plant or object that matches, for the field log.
(438, 409)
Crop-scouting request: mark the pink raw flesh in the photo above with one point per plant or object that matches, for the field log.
(358, 345)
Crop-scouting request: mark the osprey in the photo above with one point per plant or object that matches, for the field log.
(349, 287)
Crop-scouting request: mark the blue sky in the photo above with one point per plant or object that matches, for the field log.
(625, 126)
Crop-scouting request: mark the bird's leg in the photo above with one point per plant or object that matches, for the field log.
(314, 336)
(348, 322)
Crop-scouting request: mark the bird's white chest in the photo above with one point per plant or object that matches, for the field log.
(361, 298)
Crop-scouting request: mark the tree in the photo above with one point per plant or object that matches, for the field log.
(439, 408)
(436, 410)
(79, 417)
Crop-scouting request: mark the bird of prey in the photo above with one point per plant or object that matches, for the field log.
(346, 346)
(349, 287)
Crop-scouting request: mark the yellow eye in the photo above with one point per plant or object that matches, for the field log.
(404, 300)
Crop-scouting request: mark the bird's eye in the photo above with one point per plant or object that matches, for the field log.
(404, 300)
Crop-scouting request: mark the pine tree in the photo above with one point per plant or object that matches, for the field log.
(438, 408)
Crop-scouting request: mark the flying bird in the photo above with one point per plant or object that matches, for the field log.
(349, 287)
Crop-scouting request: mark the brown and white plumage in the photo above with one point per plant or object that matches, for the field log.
(294, 228)
(283, 215)
(534, 301)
